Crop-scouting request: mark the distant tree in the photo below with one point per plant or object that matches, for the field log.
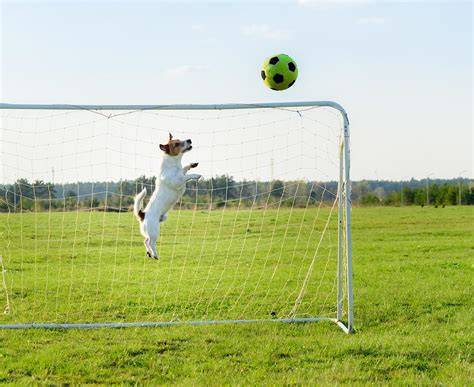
(278, 188)
(359, 190)
(467, 194)
(380, 193)
(370, 200)
(224, 190)
(70, 194)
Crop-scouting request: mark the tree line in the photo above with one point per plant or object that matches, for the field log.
(224, 191)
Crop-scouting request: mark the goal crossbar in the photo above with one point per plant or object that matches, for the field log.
(344, 210)
(227, 106)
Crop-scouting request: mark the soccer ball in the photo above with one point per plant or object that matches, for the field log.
(279, 72)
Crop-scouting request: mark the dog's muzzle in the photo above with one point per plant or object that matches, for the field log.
(187, 145)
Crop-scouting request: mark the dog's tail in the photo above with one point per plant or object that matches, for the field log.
(138, 205)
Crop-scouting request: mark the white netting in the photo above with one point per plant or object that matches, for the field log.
(256, 238)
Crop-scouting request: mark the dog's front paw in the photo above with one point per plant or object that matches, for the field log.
(194, 165)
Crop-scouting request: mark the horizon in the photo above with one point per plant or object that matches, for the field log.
(434, 180)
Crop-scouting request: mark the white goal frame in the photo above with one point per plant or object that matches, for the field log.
(344, 212)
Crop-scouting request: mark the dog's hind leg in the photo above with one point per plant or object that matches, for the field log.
(150, 231)
(152, 244)
(146, 242)
(153, 230)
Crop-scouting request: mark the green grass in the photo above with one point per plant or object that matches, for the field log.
(413, 271)
(92, 267)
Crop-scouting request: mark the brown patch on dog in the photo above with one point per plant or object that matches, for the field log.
(141, 215)
(165, 148)
(173, 147)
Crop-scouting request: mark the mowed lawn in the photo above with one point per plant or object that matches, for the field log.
(83, 267)
(413, 270)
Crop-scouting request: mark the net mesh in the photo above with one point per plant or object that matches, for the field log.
(255, 238)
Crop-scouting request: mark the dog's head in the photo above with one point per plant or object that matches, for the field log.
(176, 147)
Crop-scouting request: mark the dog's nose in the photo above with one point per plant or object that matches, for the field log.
(189, 141)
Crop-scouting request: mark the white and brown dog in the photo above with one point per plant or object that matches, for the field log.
(170, 186)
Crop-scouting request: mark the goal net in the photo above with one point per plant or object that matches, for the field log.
(263, 235)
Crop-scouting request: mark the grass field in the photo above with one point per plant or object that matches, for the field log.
(91, 266)
(413, 270)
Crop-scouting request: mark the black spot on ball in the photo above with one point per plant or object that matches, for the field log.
(262, 73)
(274, 60)
(291, 83)
(291, 66)
(278, 78)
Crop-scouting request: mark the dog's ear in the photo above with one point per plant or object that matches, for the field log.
(165, 148)
(171, 136)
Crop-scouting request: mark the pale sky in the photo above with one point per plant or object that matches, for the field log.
(402, 70)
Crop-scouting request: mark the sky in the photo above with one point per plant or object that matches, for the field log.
(402, 70)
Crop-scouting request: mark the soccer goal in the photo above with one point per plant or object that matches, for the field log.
(263, 236)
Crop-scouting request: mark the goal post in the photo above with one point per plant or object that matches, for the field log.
(265, 236)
